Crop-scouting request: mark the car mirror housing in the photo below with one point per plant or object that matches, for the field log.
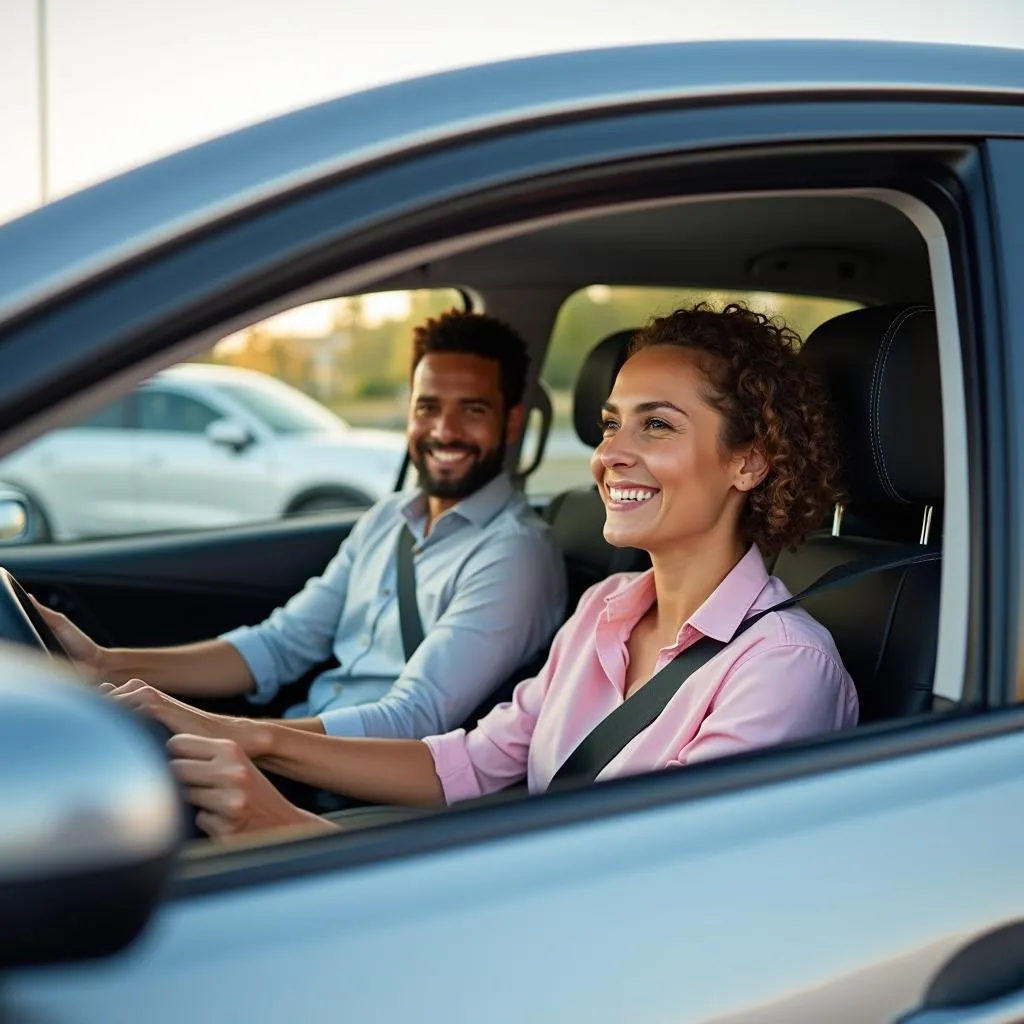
(229, 434)
(14, 518)
(91, 817)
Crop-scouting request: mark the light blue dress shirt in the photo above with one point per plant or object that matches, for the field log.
(491, 591)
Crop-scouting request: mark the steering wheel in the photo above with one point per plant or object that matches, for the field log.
(21, 623)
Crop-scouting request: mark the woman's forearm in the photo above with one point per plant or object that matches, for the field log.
(376, 770)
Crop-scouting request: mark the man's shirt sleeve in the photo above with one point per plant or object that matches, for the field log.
(300, 634)
(508, 601)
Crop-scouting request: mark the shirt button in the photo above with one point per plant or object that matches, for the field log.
(337, 688)
(387, 591)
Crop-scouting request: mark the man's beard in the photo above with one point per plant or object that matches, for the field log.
(486, 467)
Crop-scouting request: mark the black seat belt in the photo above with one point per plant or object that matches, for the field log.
(408, 607)
(636, 713)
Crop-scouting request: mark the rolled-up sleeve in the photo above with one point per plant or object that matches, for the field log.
(507, 602)
(300, 634)
(784, 693)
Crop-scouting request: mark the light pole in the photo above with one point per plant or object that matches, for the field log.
(42, 92)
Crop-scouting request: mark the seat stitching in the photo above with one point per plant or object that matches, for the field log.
(876, 405)
(907, 315)
(872, 392)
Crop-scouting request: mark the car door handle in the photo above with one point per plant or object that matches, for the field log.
(982, 983)
(1008, 1010)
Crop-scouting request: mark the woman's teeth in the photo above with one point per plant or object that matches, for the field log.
(637, 494)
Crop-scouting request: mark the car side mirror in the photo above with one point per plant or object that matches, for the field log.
(91, 817)
(14, 519)
(229, 434)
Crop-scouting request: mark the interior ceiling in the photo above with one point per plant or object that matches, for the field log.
(850, 247)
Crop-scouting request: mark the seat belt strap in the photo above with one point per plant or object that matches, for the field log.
(408, 607)
(610, 736)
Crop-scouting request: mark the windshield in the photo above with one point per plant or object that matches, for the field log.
(283, 409)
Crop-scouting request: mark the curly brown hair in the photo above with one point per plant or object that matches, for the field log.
(769, 400)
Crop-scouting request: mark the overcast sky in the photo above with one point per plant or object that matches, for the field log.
(130, 80)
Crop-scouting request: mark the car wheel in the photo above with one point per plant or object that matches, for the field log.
(331, 501)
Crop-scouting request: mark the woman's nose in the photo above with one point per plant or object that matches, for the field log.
(616, 451)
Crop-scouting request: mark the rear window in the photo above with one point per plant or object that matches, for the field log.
(590, 315)
(283, 409)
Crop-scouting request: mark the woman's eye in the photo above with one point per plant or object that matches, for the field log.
(655, 424)
(607, 425)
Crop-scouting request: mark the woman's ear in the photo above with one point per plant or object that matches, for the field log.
(751, 469)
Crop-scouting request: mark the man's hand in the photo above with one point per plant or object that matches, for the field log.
(81, 647)
(232, 795)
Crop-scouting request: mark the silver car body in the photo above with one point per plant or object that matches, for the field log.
(834, 886)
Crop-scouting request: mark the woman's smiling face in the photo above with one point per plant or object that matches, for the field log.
(665, 479)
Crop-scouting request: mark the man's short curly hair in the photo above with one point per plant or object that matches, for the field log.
(476, 334)
(768, 400)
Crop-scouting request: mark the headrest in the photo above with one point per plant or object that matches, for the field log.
(881, 367)
(594, 385)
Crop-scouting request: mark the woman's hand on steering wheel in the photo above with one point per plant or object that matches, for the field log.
(214, 767)
(232, 795)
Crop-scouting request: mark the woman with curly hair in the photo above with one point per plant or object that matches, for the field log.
(716, 449)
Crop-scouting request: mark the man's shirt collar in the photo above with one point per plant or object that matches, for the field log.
(478, 509)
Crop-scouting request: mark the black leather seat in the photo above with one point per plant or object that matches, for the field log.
(881, 367)
(576, 517)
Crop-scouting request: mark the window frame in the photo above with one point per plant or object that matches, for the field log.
(299, 255)
(997, 231)
(539, 496)
(129, 419)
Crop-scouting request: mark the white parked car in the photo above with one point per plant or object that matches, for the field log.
(200, 446)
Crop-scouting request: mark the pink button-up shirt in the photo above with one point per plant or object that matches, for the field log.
(780, 680)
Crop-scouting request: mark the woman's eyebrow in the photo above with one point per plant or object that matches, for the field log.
(653, 406)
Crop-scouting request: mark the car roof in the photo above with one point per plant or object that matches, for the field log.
(93, 231)
(209, 373)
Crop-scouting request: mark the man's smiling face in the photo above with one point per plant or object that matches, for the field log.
(458, 426)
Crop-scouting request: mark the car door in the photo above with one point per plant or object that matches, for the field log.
(188, 481)
(866, 876)
(179, 588)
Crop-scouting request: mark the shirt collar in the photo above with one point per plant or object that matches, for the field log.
(719, 615)
(730, 602)
(478, 509)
